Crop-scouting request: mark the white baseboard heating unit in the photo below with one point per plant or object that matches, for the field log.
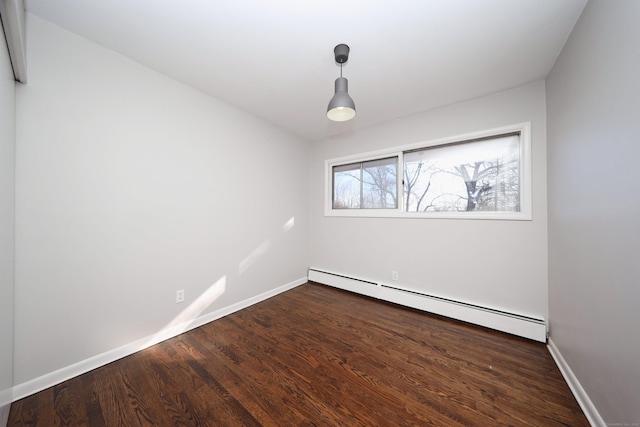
(523, 326)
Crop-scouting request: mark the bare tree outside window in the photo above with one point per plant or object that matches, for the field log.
(417, 182)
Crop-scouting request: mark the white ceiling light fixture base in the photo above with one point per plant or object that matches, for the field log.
(341, 107)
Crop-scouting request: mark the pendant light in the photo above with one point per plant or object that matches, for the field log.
(341, 107)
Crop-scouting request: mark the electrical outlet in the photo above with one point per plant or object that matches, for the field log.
(394, 275)
(180, 296)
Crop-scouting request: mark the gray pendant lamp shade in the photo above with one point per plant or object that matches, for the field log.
(341, 107)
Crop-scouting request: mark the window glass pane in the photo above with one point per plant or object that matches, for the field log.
(346, 186)
(479, 175)
(366, 185)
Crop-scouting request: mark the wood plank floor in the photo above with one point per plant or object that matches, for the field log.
(318, 356)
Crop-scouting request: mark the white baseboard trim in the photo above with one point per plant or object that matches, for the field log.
(579, 393)
(527, 327)
(48, 380)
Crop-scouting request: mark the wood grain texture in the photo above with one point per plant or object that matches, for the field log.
(318, 356)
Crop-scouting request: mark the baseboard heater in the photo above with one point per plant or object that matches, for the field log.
(516, 324)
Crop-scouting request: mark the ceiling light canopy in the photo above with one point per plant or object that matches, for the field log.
(341, 107)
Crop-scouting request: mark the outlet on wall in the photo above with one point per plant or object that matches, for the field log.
(394, 275)
(180, 296)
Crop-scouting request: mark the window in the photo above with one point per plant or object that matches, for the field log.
(484, 175)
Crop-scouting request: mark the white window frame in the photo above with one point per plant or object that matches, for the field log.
(525, 213)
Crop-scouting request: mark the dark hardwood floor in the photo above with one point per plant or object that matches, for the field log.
(318, 356)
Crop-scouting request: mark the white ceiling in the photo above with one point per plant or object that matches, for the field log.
(275, 58)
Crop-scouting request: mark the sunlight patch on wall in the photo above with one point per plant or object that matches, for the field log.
(183, 320)
(289, 224)
(254, 256)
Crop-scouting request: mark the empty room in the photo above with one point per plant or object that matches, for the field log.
(319, 213)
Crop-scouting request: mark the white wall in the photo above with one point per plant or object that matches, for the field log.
(7, 160)
(594, 206)
(498, 264)
(130, 186)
